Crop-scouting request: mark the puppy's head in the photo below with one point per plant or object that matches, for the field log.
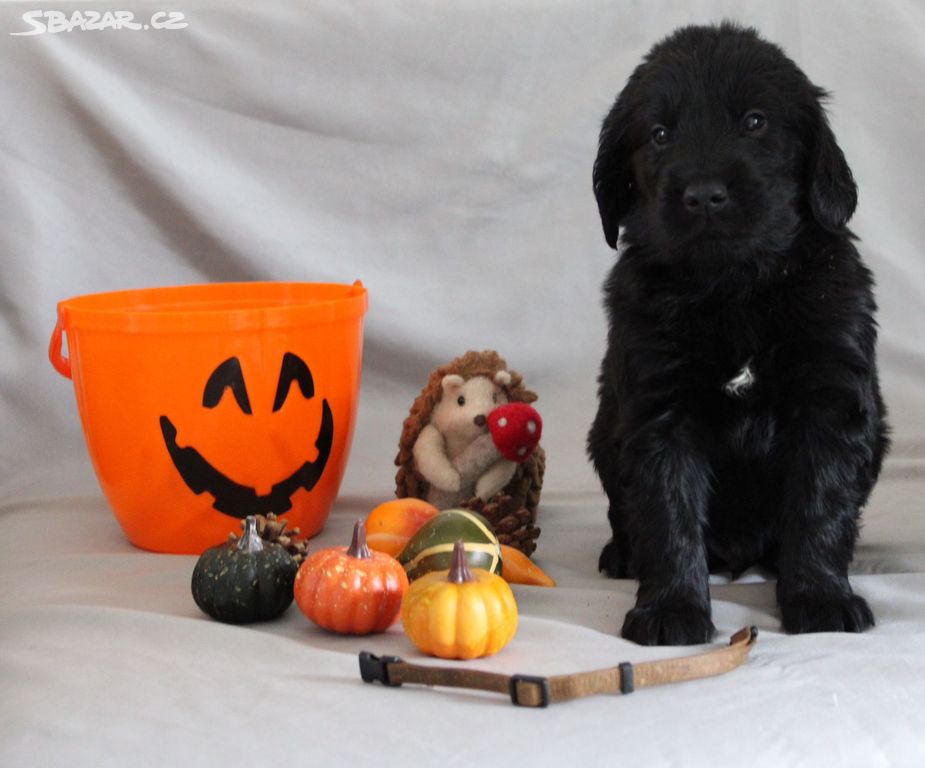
(719, 144)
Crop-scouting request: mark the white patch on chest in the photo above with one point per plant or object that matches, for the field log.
(743, 381)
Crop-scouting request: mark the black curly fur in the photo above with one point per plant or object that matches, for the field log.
(699, 477)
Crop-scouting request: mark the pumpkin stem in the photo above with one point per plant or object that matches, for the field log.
(358, 546)
(250, 540)
(459, 571)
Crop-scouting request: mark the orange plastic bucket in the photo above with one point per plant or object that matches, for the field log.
(202, 404)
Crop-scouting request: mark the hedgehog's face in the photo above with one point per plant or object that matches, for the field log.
(462, 413)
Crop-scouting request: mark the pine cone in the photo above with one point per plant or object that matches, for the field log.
(511, 522)
(273, 529)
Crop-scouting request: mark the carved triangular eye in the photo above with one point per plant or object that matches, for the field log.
(227, 375)
(293, 369)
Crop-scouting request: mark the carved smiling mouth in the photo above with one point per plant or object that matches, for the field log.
(238, 500)
(232, 498)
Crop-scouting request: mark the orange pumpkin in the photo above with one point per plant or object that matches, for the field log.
(351, 590)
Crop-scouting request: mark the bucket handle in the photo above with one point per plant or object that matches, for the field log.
(62, 364)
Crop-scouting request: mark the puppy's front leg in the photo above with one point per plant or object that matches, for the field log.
(825, 483)
(667, 484)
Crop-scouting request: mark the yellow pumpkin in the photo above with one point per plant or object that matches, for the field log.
(460, 613)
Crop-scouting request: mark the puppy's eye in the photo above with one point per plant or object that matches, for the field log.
(461, 400)
(755, 122)
(660, 135)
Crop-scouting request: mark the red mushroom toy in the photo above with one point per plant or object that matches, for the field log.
(515, 429)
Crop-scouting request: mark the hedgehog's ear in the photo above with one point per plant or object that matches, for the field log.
(503, 379)
(452, 382)
(612, 175)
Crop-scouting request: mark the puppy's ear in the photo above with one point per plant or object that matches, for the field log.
(613, 179)
(833, 195)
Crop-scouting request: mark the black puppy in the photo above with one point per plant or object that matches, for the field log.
(740, 418)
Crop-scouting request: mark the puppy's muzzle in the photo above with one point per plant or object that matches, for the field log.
(701, 198)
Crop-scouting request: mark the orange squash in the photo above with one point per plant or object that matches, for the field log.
(351, 590)
(517, 568)
(390, 525)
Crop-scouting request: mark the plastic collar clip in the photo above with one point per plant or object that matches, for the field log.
(376, 668)
(541, 682)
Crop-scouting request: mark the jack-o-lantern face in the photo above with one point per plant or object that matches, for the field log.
(233, 498)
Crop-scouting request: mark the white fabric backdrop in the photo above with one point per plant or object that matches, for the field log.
(441, 152)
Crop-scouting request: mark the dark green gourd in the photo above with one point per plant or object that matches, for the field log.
(244, 580)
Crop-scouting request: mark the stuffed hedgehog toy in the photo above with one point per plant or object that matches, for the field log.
(471, 440)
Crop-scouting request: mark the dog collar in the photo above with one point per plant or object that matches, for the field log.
(533, 691)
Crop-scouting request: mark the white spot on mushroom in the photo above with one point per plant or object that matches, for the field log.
(531, 427)
(522, 450)
(502, 422)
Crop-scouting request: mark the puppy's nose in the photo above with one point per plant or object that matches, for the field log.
(705, 197)
(480, 420)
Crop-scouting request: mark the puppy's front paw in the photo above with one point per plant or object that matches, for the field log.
(807, 612)
(676, 624)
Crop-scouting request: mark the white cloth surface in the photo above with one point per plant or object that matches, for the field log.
(440, 152)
